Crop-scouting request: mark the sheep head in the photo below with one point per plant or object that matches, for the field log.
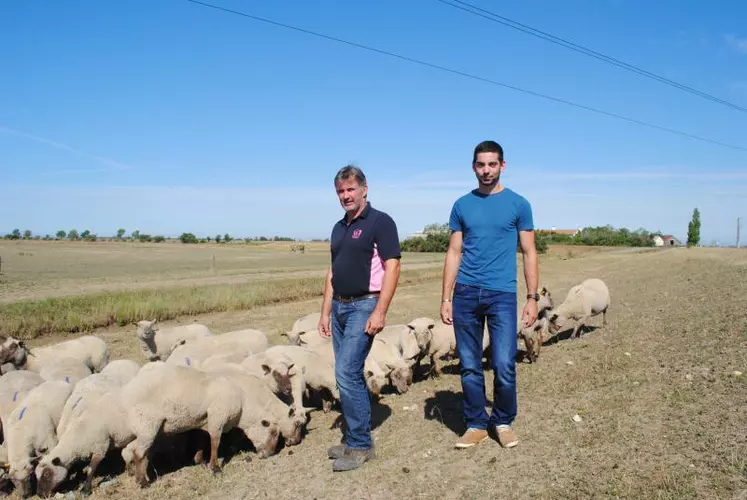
(422, 328)
(49, 473)
(264, 436)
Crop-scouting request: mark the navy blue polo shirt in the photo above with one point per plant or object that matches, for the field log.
(359, 250)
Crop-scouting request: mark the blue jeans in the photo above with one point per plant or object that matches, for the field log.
(472, 306)
(351, 346)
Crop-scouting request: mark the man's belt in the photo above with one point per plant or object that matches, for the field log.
(353, 298)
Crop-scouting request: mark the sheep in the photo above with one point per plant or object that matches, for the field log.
(100, 427)
(535, 334)
(303, 324)
(13, 354)
(67, 369)
(317, 373)
(403, 337)
(14, 387)
(31, 430)
(88, 391)
(260, 402)
(158, 343)
(240, 343)
(278, 371)
(374, 375)
(312, 338)
(175, 399)
(88, 349)
(587, 299)
(385, 353)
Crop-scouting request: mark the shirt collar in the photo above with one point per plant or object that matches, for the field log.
(362, 215)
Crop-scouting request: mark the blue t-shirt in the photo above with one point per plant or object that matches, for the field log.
(490, 226)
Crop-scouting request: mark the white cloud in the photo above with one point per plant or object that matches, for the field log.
(739, 44)
(111, 164)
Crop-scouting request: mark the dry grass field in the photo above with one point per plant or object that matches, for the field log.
(663, 415)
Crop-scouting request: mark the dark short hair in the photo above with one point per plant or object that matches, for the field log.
(488, 147)
(349, 171)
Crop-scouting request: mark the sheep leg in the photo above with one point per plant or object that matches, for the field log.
(604, 317)
(214, 443)
(436, 364)
(88, 485)
(140, 464)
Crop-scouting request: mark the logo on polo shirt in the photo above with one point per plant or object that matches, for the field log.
(357, 233)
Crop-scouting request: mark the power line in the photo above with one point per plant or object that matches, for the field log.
(505, 21)
(469, 75)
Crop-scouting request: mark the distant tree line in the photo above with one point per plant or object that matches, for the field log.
(435, 238)
(120, 235)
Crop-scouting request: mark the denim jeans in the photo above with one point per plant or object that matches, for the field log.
(472, 307)
(351, 346)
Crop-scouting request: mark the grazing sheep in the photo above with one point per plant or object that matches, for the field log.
(374, 375)
(260, 403)
(385, 353)
(31, 433)
(158, 343)
(536, 333)
(318, 374)
(100, 427)
(240, 343)
(403, 337)
(13, 354)
(14, 387)
(88, 391)
(172, 399)
(303, 324)
(278, 371)
(68, 370)
(88, 349)
(589, 298)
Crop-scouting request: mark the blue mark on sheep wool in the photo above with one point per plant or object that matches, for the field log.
(22, 412)
(67, 379)
(76, 403)
(15, 395)
(188, 362)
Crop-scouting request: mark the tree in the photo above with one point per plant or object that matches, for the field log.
(120, 233)
(693, 229)
(217, 238)
(85, 234)
(227, 238)
(188, 238)
(15, 235)
(135, 234)
(61, 234)
(27, 234)
(73, 234)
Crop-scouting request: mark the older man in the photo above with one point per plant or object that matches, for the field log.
(361, 282)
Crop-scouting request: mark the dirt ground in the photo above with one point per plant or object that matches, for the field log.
(663, 415)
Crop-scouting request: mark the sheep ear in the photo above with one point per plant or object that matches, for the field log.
(553, 318)
(284, 334)
(410, 326)
(266, 369)
(265, 423)
(431, 325)
(57, 462)
(369, 373)
(543, 291)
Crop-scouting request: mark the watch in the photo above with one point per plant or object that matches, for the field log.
(534, 296)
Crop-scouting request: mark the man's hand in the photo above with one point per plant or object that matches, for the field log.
(529, 314)
(375, 322)
(446, 309)
(324, 328)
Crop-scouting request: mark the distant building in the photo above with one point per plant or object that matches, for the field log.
(666, 240)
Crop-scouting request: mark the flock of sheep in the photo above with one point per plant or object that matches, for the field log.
(65, 404)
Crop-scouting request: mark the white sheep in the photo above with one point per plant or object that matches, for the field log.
(277, 371)
(67, 369)
(88, 349)
(303, 324)
(317, 373)
(374, 375)
(157, 343)
(260, 402)
(240, 343)
(175, 399)
(31, 430)
(385, 353)
(88, 391)
(14, 387)
(403, 337)
(536, 333)
(583, 301)
(312, 338)
(101, 426)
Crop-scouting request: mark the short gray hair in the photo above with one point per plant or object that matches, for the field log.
(349, 171)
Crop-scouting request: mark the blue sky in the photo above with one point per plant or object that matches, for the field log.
(169, 117)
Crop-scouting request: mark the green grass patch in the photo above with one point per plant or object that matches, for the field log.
(33, 318)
